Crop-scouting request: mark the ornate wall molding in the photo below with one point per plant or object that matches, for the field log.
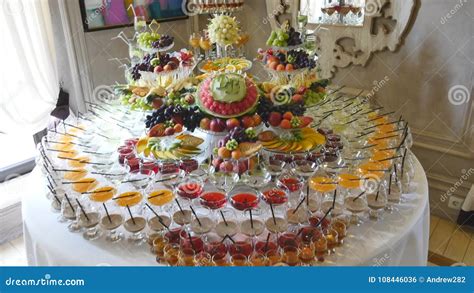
(385, 23)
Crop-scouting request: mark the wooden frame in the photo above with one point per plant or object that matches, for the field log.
(86, 27)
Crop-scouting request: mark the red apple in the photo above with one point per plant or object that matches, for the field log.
(240, 167)
(167, 67)
(216, 162)
(232, 123)
(158, 69)
(301, 90)
(226, 166)
(205, 123)
(157, 103)
(297, 98)
(274, 119)
(217, 125)
(247, 122)
(169, 131)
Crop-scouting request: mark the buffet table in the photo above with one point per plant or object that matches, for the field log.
(400, 239)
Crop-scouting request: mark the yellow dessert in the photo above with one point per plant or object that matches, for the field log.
(85, 185)
(160, 197)
(70, 154)
(322, 184)
(349, 181)
(129, 198)
(103, 194)
(79, 162)
(75, 175)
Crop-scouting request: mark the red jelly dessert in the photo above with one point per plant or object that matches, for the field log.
(275, 196)
(188, 165)
(173, 235)
(244, 201)
(293, 184)
(314, 220)
(262, 247)
(310, 234)
(191, 242)
(213, 200)
(241, 247)
(216, 248)
(288, 239)
(190, 190)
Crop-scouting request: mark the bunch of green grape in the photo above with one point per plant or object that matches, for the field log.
(182, 97)
(278, 38)
(312, 98)
(146, 39)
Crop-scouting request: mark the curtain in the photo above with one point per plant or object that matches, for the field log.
(29, 83)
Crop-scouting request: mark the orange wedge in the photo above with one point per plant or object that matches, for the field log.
(75, 175)
(84, 185)
(79, 162)
(160, 197)
(322, 184)
(349, 181)
(102, 194)
(129, 198)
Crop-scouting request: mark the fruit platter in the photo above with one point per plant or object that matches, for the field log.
(168, 146)
(152, 42)
(225, 64)
(285, 38)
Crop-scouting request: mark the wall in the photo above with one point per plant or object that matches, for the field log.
(436, 56)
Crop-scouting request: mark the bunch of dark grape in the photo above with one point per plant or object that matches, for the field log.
(297, 109)
(301, 59)
(294, 37)
(264, 107)
(158, 116)
(192, 116)
(165, 58)
(163, 42)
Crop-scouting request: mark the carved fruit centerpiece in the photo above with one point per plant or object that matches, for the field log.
(227, 95)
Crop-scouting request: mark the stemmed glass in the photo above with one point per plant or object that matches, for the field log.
(227, 223)
(130, 199)
(223, 180)
(258, 176)
(139, 24)
(88, 218)
(206, 45)
(111, 220)
(194, 42)
(325, 188)
(274, 166)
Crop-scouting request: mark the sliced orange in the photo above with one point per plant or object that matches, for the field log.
(102, 194)
(322, 184)
(129, 198)
(84, 185)
(79, 162)
(349, 181)
(160, 197)
(75, 175)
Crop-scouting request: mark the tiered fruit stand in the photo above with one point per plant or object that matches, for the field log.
(220, 169)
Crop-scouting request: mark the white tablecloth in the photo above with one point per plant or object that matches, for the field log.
(400, 239)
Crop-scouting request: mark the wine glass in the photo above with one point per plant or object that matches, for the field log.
(206, 45)
(201, 221)
(194, 42)
(112, 219)
(89, 215)
(227, 223)
(139, 24)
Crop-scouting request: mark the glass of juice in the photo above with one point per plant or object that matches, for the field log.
(243, 198)
(112, 218)
(190, 188)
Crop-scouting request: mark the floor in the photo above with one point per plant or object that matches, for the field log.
(449, 244)
(13, 253)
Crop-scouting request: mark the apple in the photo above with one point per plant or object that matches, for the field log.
(217, 162)
(217, 125)
(297, 98)
(169, 131)
(177, 119)
(157, 103)
(274, 119)
(205, 123)
(226, 166)
(301, 90)
(240, 167)
(248, 122)
(232, 123)
(158, 69)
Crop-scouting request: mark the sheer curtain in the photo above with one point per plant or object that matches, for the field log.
(29, 83)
